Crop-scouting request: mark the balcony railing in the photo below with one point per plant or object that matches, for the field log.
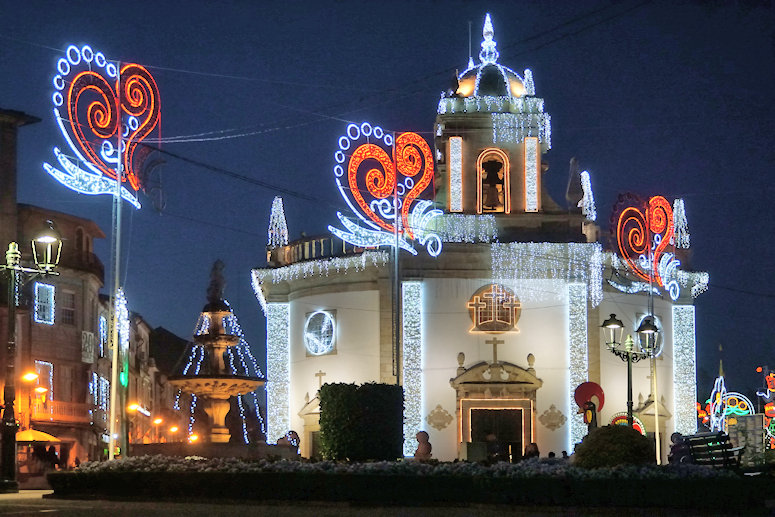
(82, 260)
(61, 412)
(310, 248)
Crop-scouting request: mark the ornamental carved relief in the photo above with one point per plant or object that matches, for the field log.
(552, 418)
(439, 418)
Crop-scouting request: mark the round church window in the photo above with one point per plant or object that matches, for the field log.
(319, 333)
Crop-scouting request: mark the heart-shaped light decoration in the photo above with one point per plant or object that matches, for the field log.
(643, 233)
(385, 180)
(104, 112)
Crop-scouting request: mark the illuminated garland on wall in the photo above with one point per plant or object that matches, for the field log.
(466, 228)
(92, 113)
(587, 202)
(278, 358)
(532, 158)
(578, 362)
(517, 264)
(412, 362)
(517, 106)
(455, 174)
(322, 267)
(278, 228)
(684, 369)
(514, 128)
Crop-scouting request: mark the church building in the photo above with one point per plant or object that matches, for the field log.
(491, 329)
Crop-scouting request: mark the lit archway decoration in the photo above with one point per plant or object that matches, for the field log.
(643, 233)
(104, 114)
(621, 419)
(386, 181)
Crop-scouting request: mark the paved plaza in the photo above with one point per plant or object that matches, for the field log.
(32, 502)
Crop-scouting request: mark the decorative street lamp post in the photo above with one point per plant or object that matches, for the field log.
(649, 335)
(624, 352)
(46, 249)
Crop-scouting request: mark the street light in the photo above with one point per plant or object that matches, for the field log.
(29, 378)
(624, 352)
(648, 333)
(156, 422)
(173, 430)
(46, 250)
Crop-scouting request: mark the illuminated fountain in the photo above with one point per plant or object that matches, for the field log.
(213, 379)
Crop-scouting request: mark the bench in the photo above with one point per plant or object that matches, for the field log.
(713, 449)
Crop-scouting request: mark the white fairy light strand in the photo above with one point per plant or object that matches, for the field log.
(532, 153)
(518, 263)
(311, 268)
(455, 174)
(587, 202)
(278, 357)
(412, 362)
(577, 355)
(530, 88)
(466, 228)
(684, 369)
(278, 227)
(681, 226)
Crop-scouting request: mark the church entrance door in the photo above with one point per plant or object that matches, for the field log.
(504, 424)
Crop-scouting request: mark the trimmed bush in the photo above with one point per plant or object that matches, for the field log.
(361, 423)
(614, 445)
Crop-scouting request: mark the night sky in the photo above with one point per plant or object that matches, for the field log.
(670, 98)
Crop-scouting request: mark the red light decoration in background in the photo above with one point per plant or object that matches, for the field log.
(643, 227)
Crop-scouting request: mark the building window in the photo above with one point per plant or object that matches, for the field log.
(99, 388)
(45, 371)
(67, 307)
(103, 333)
(44, 303)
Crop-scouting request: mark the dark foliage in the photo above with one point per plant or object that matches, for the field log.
(361, 423)
(614, 445)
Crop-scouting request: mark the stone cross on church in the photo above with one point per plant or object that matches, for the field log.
(494, 342)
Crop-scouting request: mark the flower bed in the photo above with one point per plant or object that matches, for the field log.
(531, 482)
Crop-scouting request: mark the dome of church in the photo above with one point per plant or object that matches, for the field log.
(489, 79)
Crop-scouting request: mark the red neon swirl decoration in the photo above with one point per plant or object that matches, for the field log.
(412, 155)
(637, 232)
(633, 238)
(91, 95)
(379, 183)
(139, 98)
(660, 218)
(101, 114)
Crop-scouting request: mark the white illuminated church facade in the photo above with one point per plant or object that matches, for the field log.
(494, 333)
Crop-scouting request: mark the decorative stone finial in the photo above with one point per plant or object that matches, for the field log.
(488, 53)
(217, 282)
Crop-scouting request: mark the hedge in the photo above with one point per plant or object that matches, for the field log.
(745, 495)
(361, 423)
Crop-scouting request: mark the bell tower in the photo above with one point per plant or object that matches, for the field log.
(491, 133)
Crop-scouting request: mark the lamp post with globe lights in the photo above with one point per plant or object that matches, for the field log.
(46, 250)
